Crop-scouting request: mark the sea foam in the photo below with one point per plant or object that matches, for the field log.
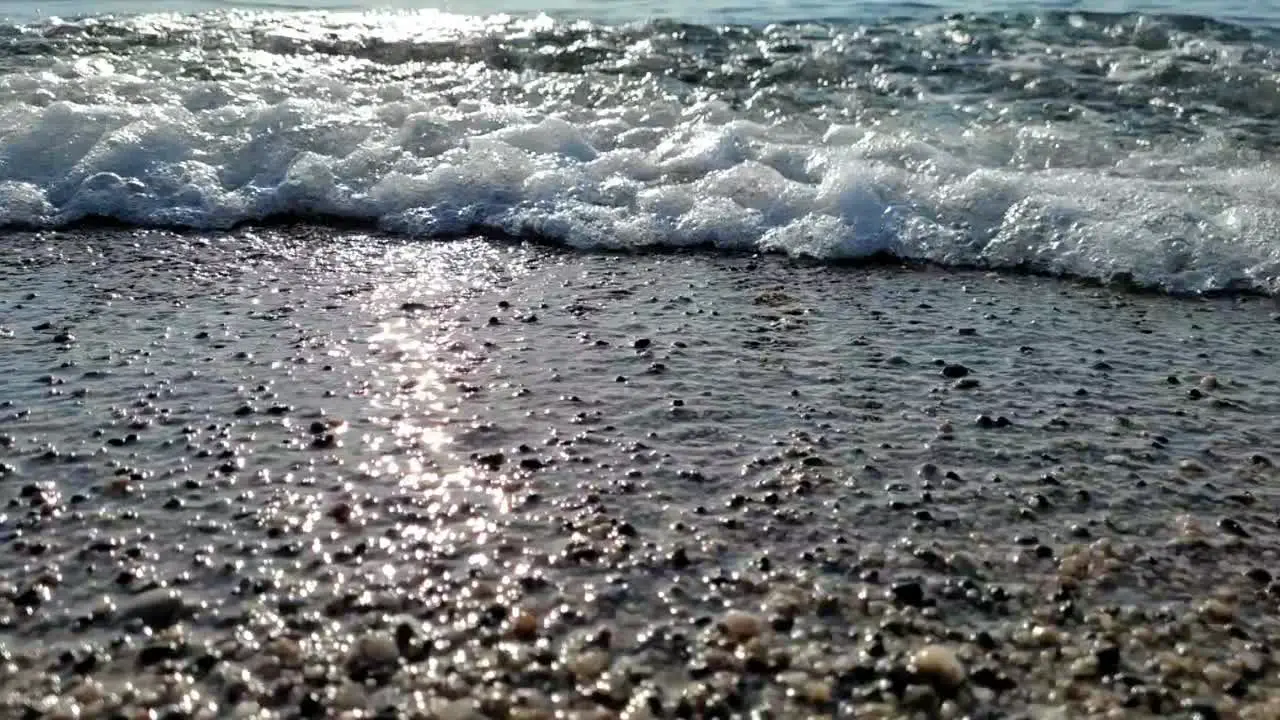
(256, 123)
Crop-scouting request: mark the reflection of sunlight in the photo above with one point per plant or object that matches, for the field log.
(418, 354)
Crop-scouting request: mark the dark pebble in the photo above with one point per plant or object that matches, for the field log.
(1233, 527)
(908, 593)
(992, 679)
(492, 460)
(153, 654)
(311, 706)
(680, 558)
(1259, 575)
(1108, 658)
(157, 609)
(954, 371)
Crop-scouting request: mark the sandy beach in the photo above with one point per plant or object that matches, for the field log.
(288, 473)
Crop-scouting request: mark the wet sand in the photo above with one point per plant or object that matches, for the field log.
(300, 473)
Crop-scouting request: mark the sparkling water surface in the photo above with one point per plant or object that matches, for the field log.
(731, 11)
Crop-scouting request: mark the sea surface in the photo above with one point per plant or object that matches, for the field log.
(1103, 140)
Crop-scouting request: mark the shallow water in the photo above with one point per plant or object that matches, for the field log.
(321, 446)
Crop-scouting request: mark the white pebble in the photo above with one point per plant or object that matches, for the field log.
(463, 709)
(589, 664)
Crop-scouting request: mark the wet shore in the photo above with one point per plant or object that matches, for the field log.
(298, 473)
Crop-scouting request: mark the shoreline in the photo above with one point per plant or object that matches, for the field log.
(294, 224)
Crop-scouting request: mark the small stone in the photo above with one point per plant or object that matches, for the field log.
(817, 692)
(992, 679)
(1209, 382)
(286, 650)
(1107, 660)
(152, 654)
(341, 512)
(1045, 636)
(680, 558)
(741, 626)
(524, 625)
(908, 593)
(1192, 467)
(158, 609)
(589, 664)
(375, 649)
(1217, 611)
(939, 666)
(954, 371)
(493, 460)
(962, 563)
(311, 706)
(1233, 527)
(462, 709)
(1259, 575)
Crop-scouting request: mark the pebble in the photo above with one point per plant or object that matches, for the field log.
(286, 650)
(908, 593)
(741, 626)
(1259, 575)
(1232, 526)
(939, 666)
(1217, 610)
(524, 625)
(157, 609)
(588, 664)
(375, 649)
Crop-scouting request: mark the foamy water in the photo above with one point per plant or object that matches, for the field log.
(1097, 145)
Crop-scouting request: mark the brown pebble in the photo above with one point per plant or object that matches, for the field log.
(938, 665)
(741, 626)
(524, 625)
(1217, 611)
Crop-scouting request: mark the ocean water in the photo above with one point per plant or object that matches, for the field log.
(1105, 140)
